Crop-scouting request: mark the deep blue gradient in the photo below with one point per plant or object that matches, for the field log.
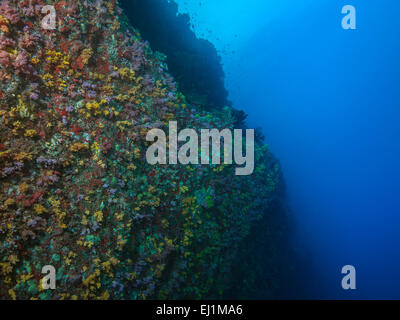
(328, 102)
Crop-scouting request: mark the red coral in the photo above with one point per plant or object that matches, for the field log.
(4, 59)
(78, 65)
(71, 47)
(27, 40)
(6, 42)
(21, 63)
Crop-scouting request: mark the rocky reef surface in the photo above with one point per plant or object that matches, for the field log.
(76, 191)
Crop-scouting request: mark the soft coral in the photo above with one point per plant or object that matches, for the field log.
(11, 13)
(4, 59)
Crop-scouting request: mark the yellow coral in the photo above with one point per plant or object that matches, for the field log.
(9, 202)
(53, 56)
(11, 292)
(132, 167)
(62, 84)
(39, 209)
(35, 60)
(99, 216)
(110, 7)
(95, 107)
(121, 124)
(105, 296)
(119, 216)
(13, 259)
(22, 156)
(86, 55)
(116, 25)
(3, 20)
(64, 63)
(127, 74)
(30, 133)
(17, 125)
(23, 187)
(76, 147)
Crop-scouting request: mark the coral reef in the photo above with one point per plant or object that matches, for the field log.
(76, 191)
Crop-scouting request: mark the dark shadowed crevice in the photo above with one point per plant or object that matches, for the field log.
(194, 63)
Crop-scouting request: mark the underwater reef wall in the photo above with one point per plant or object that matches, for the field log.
(76, 191)
(194, 63)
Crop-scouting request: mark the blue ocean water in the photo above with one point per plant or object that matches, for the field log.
(328, 102)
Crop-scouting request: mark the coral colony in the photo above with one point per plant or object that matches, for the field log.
(76, 190)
